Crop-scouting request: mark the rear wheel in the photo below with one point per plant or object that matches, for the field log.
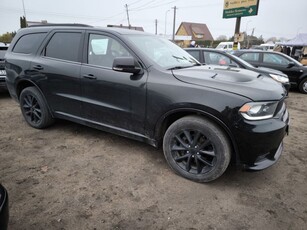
(34, 108)
(303, 86)
(196, 149)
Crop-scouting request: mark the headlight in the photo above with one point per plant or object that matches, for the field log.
(258, 110)
(279, 78)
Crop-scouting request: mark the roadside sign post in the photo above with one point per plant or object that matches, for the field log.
(237, 31)
(238, 9)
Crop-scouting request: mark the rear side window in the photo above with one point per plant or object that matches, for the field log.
(250, 56)
(29, 43)
(274, 59)
(195, 54)
(64, 46)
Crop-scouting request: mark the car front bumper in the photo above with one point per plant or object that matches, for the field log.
(260, 143)
(4, 208)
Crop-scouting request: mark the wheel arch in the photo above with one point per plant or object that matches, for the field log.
(302, 77)
(170, 117)
(21, 85)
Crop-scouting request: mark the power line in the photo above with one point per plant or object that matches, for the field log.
(154, 6)
(146, 4)
(130, 4)
(60, 14)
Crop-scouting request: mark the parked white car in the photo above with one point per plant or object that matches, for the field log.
(226, 46)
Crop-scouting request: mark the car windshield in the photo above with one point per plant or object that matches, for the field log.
(163, 52)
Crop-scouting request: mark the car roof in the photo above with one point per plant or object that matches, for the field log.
(206, 49)
(50, 27)
(254, 50)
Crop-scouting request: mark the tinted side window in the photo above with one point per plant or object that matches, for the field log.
(195, 54)
(103, 49)
(250, 56)
(274, 59)
(28, 43)
(217, 59)
(64, 46)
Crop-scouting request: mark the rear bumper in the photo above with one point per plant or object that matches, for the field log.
(4, 208)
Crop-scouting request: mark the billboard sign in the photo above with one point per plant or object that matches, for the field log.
(240, 8)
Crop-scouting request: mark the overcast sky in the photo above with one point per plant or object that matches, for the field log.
(276, 18)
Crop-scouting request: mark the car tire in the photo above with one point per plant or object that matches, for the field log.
(303, 86)
(197, 149)
(34, 108)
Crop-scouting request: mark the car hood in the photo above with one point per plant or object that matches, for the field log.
(269, 70)
(242, 82)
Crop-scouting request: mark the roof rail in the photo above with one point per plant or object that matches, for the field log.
(62, 24)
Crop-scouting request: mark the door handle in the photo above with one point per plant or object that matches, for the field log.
(38, 67)
(90, 76)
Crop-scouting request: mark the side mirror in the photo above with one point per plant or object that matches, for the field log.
(291, 64)
(126, 65)
(233, 65)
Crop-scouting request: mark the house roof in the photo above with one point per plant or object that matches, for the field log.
(196, 28)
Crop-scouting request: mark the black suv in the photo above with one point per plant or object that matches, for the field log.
(144, 87)
(3, 49)
(296, 72)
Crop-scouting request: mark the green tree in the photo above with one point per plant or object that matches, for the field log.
(7, 37)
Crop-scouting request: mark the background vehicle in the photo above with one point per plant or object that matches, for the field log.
(3, 49)
(219, 57)
(227, 46)
(268, 46)
(4, 208)
(145, 87)
(296, 72)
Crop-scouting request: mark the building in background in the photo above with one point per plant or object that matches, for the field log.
(199, 33)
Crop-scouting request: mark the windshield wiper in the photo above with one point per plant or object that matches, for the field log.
(178, 67)
(180, 58)
(183, 67)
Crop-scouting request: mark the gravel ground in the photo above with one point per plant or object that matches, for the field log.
(73, 177)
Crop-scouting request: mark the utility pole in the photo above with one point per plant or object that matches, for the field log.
(251, 36)
(24, 11)
(128, 15)
(174, 22)
(23, 20)
(156, 23)
(237, 31)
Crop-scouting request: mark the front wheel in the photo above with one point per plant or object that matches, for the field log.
(196, 149)
(303, 86)
(34, 109)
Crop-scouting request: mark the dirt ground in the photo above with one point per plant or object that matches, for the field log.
(73, 177)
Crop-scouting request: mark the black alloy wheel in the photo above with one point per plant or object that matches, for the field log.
(34, 108)
(197, 149)
(193, 151)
